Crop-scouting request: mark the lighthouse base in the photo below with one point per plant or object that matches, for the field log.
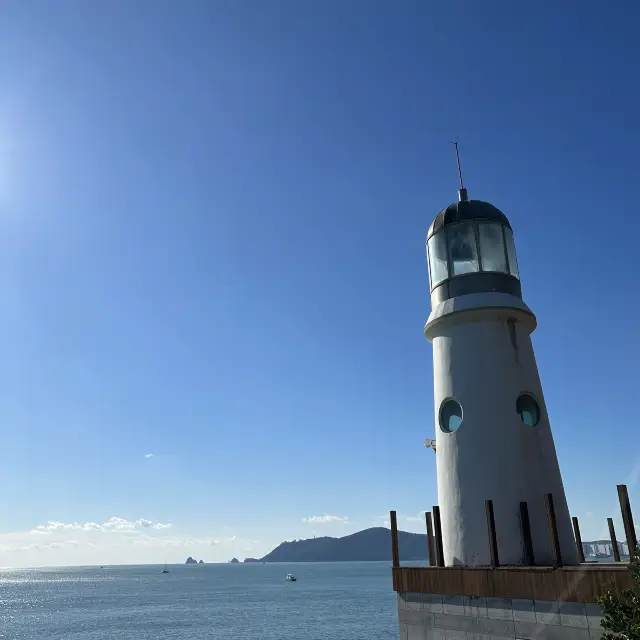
(429, 616)
(517, 603)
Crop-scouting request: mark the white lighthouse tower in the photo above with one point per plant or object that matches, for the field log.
(494, 439)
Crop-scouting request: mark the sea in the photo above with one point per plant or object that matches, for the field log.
(329, 601)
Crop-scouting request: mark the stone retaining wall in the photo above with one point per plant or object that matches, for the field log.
(426, 616)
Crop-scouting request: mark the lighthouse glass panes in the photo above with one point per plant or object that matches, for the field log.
(528, 409)
(468, 247)
(463, 252)
(511, 252)
(450, 415)
(491, 241)
(438, 266)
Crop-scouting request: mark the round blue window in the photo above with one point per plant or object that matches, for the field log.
(450, 415)
(528, 409)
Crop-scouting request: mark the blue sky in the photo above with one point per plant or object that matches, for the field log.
(212, 224)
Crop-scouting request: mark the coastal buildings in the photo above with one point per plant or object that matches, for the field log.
(504, 559)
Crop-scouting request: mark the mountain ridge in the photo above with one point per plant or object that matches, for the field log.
(374, 545)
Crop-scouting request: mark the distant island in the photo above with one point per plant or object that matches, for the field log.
(200, 561)
(375, 545)
(191, 560)
(234, 561)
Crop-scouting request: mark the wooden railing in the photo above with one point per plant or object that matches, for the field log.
(579, 583)
(434, 533)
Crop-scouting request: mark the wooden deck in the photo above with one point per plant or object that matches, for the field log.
(580, 583)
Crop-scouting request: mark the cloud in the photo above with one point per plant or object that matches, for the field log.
(323, 519)
(205, 541)
(120, 524)
(149, 455)
(118, 540)
(141, 540)
(150, 541)
(37, 546)
(414, 518)
(113, 524)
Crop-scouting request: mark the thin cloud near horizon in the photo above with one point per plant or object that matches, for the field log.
(324, 519)
(113, 524)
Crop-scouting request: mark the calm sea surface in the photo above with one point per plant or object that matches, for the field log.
(333, 601)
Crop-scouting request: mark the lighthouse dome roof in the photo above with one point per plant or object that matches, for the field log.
(466, 210)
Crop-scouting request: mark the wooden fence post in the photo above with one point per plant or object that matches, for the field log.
(491, 527)
(432, 553)
(526, 534)
(627, 518)
(576, 533)
(438, 527)
(394, 539)
(614, 541)
(553, 531)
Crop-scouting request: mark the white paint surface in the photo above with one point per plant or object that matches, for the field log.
(483, 357)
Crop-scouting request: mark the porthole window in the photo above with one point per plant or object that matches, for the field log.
(528, 409)
(450, 415)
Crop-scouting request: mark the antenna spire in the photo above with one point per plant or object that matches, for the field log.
(462, 192)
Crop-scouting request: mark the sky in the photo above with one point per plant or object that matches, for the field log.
(212, 272)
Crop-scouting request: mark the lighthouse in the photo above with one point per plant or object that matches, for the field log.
(503, 562)
(493, 433)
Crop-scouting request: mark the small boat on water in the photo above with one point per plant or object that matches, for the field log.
(165, 570)
(290, 577)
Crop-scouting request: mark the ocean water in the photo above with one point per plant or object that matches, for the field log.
(332, 601)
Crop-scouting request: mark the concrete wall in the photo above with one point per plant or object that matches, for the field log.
(483, 357)
(425, 616)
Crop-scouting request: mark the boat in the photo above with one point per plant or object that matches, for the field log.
(290, 577)
(165, 570)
